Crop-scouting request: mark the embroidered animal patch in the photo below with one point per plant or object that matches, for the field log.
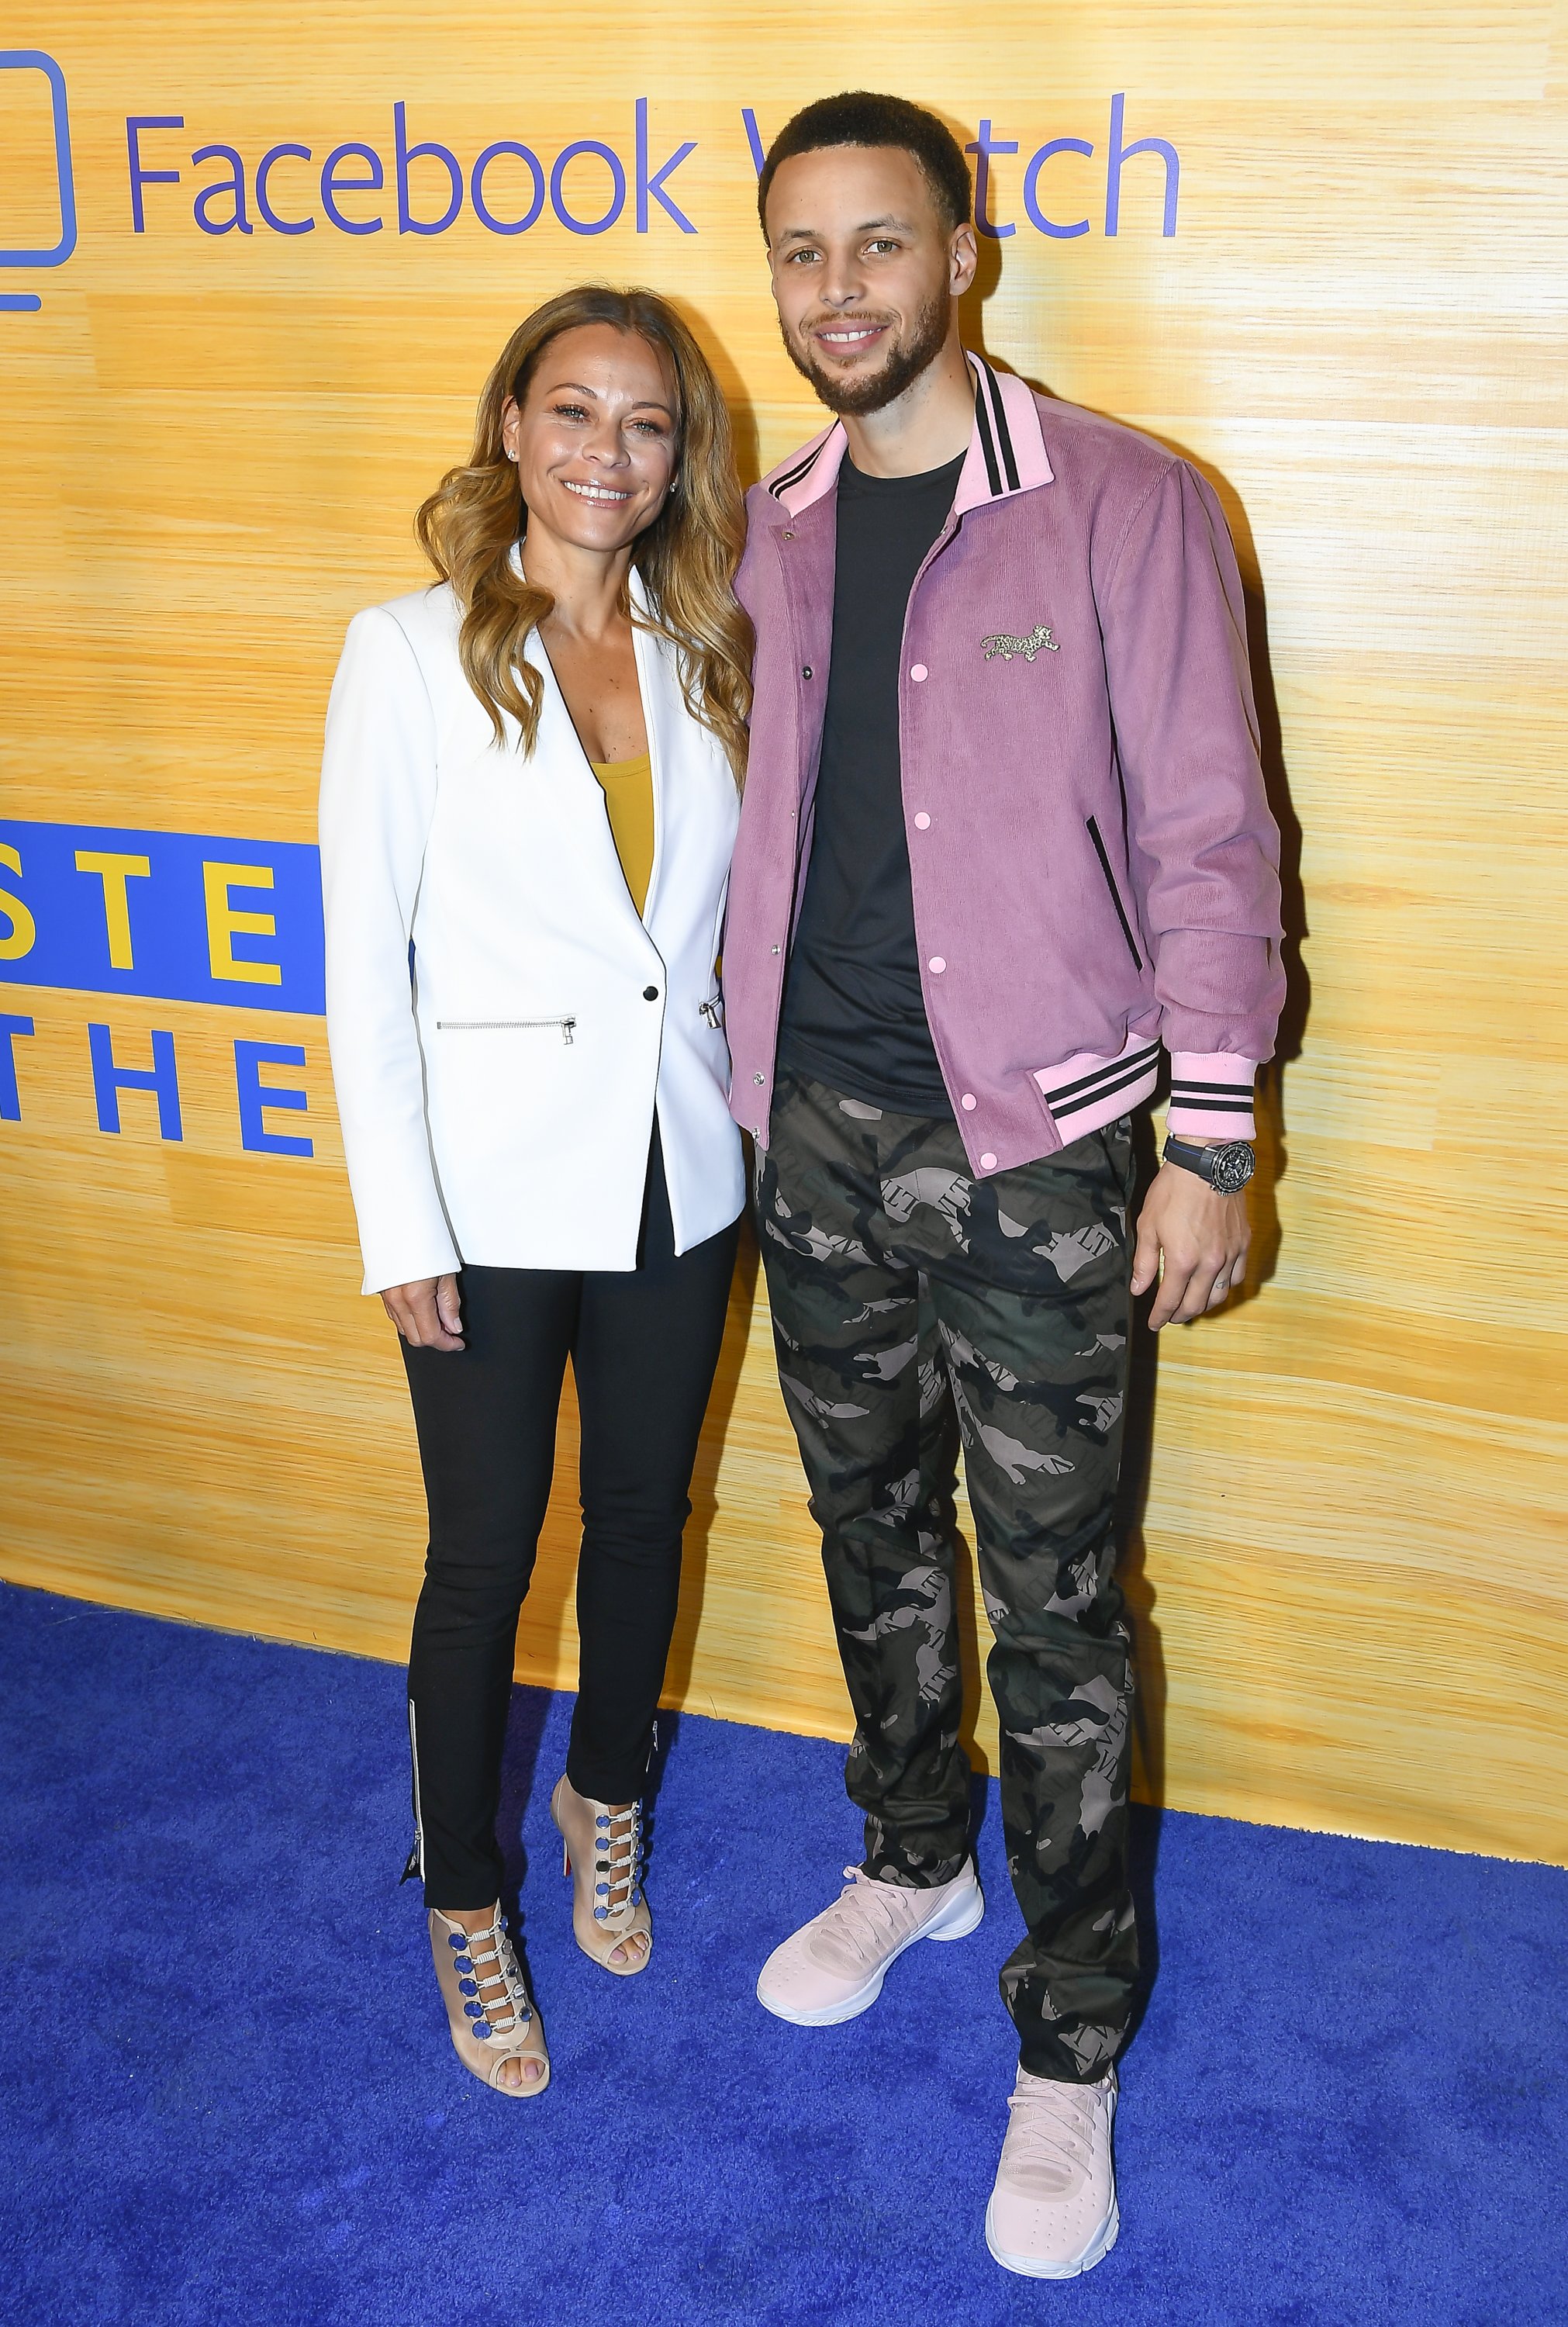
(1001, 643)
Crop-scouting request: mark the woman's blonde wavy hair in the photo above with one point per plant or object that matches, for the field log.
(687, 558)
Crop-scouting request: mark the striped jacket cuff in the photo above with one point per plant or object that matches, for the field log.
(1211, 1095)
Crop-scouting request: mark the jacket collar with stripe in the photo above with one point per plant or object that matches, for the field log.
(1006, 454)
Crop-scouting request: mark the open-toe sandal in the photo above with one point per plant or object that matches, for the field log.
(603, 1852)
(488, 2009)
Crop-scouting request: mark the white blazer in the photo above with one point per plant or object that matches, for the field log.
(502, 1022)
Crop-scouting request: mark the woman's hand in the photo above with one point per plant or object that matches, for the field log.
(427, 1313)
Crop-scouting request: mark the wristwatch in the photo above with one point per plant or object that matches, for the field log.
(1227, 1168)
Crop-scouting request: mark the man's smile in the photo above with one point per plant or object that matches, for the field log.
(847, 338)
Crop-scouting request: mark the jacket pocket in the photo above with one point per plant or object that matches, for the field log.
(562, 1026)
(1094, 832)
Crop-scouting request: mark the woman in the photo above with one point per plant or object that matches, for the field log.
(528, 801)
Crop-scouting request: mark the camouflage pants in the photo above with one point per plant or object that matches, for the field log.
(913, 1307)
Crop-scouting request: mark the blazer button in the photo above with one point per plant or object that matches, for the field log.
(922, 821)
(937, 965)
(917, 671)
(806, 670)
(988, 1162)
(650, 994)
(969, 1102)
(787, 535)
(756, 1078)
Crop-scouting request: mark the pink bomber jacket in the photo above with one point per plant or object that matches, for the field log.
(1093, 860)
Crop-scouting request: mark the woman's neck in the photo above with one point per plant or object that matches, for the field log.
(588, 586)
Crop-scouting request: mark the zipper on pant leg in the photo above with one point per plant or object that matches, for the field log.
(415, 1860)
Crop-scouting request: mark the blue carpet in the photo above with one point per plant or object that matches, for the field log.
(230, 2096)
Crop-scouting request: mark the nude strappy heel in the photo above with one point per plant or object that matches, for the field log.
(608, 1906)
(481, 1983)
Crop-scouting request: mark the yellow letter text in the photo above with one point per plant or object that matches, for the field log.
(114, 871)
(19, 937)
(224, 923)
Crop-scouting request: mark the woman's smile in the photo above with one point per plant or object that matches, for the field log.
(594, 492)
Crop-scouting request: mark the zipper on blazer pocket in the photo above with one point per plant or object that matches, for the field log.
(503, 1025)
(712, 1010)
(1094, 832)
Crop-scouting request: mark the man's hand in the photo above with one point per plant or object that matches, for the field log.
(427, 1313)
(1193, 1241)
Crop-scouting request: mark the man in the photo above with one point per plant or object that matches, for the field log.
(1004, 840)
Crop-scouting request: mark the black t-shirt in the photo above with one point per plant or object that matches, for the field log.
(854, 1015)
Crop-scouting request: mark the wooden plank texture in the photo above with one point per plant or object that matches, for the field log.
(1346, 1542)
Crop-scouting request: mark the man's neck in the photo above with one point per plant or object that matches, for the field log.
(929, 425)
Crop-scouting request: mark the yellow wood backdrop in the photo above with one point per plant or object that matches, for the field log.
(1348, 1561)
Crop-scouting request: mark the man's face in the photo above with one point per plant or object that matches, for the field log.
(865, 271)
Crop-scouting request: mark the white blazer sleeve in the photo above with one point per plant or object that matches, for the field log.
(378, 784)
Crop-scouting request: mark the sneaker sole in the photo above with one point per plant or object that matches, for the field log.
(1030, 2266)
(966, 1913)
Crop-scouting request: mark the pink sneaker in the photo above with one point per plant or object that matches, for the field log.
(1053, 2209)
(832, 1968)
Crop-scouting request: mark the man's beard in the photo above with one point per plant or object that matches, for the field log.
(873, 391)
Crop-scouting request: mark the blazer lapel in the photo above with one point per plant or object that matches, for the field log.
(561, 761)
(663, 707)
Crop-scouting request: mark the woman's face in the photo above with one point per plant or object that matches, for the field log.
(596, 437)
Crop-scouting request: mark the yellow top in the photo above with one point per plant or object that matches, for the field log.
(628, 789)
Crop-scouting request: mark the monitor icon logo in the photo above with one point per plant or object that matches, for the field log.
(34, 60)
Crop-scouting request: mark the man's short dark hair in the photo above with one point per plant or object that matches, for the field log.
(860, 117)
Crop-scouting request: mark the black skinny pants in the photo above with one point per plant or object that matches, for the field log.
(643, 1343)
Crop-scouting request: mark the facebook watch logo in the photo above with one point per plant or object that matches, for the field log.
(51, 96)
(360, 188)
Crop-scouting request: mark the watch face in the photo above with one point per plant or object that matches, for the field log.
(1230, 1167)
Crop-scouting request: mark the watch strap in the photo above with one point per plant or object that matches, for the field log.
(1188, 1153)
